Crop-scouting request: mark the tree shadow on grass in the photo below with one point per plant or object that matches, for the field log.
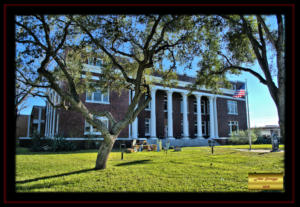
(133, 162)
(54, 176)
(57, 153)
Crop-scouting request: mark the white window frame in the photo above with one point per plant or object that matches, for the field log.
(93, 99)
(147, 121)
(91, 131)
(90, 61)
(232, 107)
(203, 110)
(195, 127)
(232, 123)
(148, 107)
(195, 106)
(93, 61)
(165, 103)
(233, 86)
(101, 62)
(181, 105)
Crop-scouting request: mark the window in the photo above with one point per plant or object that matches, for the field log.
(97, 97)
(148, 107)
(203, 111)
(181, 105)
(94, 61)
(147, 126)
(165, 103)
(195, 128)
(195, 106)
(232, 107)
(233, 127)
(204, 107)
(90, 60)
(89, 129)
(233, 86)
(98, 62)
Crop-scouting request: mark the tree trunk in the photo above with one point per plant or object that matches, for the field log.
(280, 106)
(104, 151)
(281, 111)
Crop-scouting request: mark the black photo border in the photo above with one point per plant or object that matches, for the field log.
(9, 194)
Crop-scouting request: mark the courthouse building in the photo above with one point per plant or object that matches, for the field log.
(186, 119)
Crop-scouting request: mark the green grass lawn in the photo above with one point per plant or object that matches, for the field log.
(255, 146)
(194, 169)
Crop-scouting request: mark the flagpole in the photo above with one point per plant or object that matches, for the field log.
(248, 117)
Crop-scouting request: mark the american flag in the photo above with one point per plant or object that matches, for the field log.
(240, 92)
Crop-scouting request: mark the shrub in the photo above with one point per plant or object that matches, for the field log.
(36, 143)
(242, 137)
(90, 143)
(263, 140)
(61, 144)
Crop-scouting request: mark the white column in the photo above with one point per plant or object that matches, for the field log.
(53, 126)
(211, 117)
(185, 116)
(130, 125)
(53, 116)
(135, 129)
(28, 129)
(153, 114)
(46, 119)
(39, 123)
(199, 117)
(170, 114)
(49, 117)
(50, 120)
(134, 124)
(216, 117)
(57, 123)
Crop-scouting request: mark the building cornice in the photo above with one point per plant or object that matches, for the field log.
(180, 85)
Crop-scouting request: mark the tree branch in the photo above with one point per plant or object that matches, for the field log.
(153, 30)
(266, 29)
(64, 36)
(108, 115)
(19, 101)
(130, 80)
(37, 42)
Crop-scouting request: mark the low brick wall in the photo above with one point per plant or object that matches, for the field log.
(80, 144)
(222, 141)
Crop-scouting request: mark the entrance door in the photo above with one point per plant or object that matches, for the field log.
(205, 116)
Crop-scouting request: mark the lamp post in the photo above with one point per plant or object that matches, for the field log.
(122, 150)
(211, 143)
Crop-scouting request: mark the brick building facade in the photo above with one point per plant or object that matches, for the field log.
(35, 123)
(173, 113)
(22, 125)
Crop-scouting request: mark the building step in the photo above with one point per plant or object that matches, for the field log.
(183, 142)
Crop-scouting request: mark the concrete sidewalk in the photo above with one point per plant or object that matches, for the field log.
(258, 150)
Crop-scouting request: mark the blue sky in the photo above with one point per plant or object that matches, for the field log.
(262, 109)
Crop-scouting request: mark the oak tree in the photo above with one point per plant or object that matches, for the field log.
(235, 42)
(52, 49)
